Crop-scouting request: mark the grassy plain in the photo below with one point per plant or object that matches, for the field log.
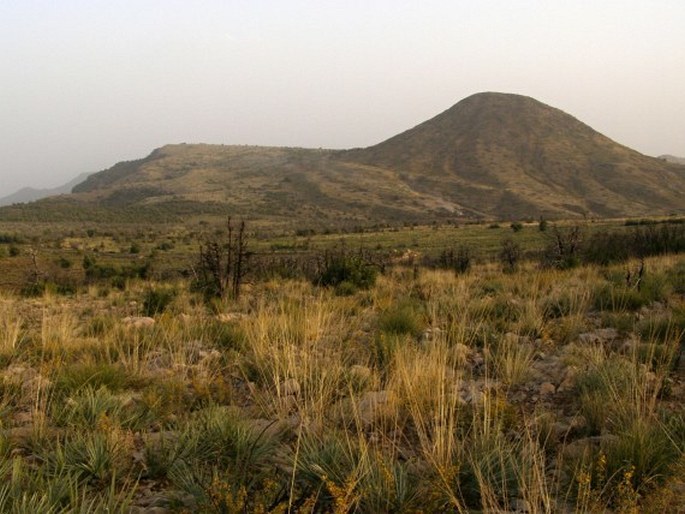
(539, 390)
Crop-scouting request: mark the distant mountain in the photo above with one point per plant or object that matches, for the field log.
(30, 194)
(492, 155)
(506, 155)
(672, 158)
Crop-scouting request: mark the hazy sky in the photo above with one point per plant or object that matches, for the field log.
(84, 84)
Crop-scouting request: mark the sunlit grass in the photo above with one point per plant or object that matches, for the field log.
(423, 392)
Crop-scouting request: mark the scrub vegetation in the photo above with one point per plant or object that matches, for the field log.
(422, 369)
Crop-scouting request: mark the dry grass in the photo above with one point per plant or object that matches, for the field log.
(424, 393)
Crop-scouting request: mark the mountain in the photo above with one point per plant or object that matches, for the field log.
(492, 155)
(673, 158)
(30, 194)
(506, 155)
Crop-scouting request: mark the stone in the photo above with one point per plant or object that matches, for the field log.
(23, 418)
(578, 422)
(559, 430)
(680, 368)
(547, 389)
(230, 317)
(359, 373)
(520, 506)
(209, 355)
(569, 380)
(138, 321)
(288, 403)
(372, 405)
(290, 387)
(601, 335)
(461, 351)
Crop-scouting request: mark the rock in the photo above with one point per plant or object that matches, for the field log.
(431, 334)
(156, 510)
(23, 418)
(230, 317)
(559, 430)
(461, 351)
(290, 387)
(607, 334)
(138, 321)
(185, 318)
(288, 403)
(569, 380)
(601, 335)
(578, 422)
(478, 359)
(520, 506)
(209, 355)
(471, 392)
(30, 381)
(373, 405)
(547, 389)
(18, 374)
(158, 360)
(511, 338)
(360, 374)
(582, 448)
(680, 368)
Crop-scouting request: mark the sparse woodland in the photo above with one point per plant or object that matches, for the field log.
(548, 382)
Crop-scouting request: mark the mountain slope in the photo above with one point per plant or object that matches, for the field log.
(492, 155)
(503, 155)
(30, 194)
(295, 185)
(673, 158)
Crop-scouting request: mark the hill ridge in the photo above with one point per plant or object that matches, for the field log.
(491, 155)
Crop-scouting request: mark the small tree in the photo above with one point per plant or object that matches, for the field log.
(222, 265)
(346, 271)
(509, 255)
(542, 224)
(459, 261)
(517, 226)
(563, 250)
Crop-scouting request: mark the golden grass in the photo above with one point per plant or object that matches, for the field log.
(356, 418)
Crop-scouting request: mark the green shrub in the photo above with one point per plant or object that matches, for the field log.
(239, 455)
(355, 269)
(226, 336)
(621, 297)
(89, 407)
(405, 317)
(99, 325)
(509, 255)
(640, 458)
(517, 226)
(157, 300)
(64, 263)
(458, 260)
(96, 458)
(557, 306)
(77, 376)
(676, 277)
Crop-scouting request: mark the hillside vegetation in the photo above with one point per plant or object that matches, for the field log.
(536, 390)
(529, 368)
(490, 156)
